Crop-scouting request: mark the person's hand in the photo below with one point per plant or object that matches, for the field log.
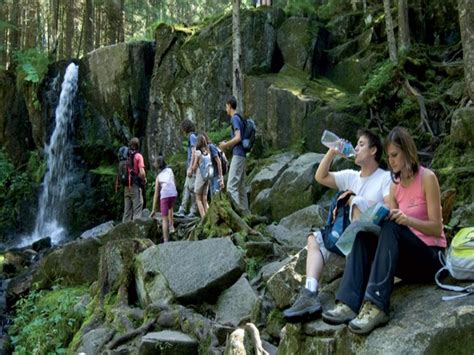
(190, 172)
(222, 145)
(221, 183)
(399, 217)
(152, 214)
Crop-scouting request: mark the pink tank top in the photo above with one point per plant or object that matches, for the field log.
(411, 201)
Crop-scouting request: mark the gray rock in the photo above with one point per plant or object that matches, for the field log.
(119, 78)
(259, 249)
(236, 303)
(283, 284)
(181, 263)
(296, 39)
(261, 203)
(305, 220)
(296, 187)
(267, 176)
(167, 342)
(292, 241)
(93, 341)
(98, 231)
(420, 324)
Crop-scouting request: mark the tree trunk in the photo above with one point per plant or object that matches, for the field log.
(98, 25)
(14, 32)
(403, 26)
(69, 29)
(3, 35)
(88, 26)
(392, 46)
(466, 22)
(30, 24)
(237, 79)
(113, 12)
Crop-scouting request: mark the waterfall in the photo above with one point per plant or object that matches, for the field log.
(59, 152)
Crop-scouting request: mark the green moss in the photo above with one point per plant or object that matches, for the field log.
(46, 321)
(105, 170)
(253, 266)
(455, 169)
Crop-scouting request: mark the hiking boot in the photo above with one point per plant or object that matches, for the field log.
(369, 318)
(339, 314)
(181, 212)
(306, 304)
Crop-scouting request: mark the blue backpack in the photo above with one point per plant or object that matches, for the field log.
(248, 137)
(337, 221)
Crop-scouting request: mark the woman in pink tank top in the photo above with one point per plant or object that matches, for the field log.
(407, 247)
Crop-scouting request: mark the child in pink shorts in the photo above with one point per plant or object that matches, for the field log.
(165, 191)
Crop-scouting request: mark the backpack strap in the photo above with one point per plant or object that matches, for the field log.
(468, 290)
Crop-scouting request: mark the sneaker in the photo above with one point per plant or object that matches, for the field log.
(181, 212)
(339, 314)
(191, 215)
(306, 304)
(172, 230)
(369, 318)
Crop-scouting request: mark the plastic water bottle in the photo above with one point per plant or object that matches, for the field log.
(331, 140)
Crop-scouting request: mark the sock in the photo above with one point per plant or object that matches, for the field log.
(311, 284)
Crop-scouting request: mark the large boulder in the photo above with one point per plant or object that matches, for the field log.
(15, 128)
(293, 111)
(236, 303)
(267, 176)
(167, 342)
(77, 262)
(196, 68)
(181, 263)
(118, 77)
(296, 187)
(293, 230)
(296, 39)
(420, 323)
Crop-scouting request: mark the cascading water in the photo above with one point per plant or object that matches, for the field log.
(59, 152)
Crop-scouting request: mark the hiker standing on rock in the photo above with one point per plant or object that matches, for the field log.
(370, 185)
(236, 177)
(133, 194)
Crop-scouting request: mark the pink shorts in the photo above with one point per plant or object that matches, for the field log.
(166, 204)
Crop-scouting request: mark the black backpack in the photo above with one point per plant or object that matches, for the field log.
(248, 137)
(126, 175)
(224, 161)
(337, 221)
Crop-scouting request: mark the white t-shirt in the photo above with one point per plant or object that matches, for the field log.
(167, 184)
(371, 188)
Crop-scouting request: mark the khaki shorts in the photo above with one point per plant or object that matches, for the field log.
(319, 239)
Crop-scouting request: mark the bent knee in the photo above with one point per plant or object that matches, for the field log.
(312, 241)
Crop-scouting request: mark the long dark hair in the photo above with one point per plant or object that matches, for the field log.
(402, 139)
(161, 163)
(202, 143)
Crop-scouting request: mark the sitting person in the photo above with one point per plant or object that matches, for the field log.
(370, 185)
(407, 247)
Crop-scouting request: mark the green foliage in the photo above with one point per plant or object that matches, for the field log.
(380, 82)
(17, 186)
(331, 8)
(46, 321)
(301, 8)
(32, 64)
(253, 266)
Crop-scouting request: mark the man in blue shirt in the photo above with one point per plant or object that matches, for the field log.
(236, 177)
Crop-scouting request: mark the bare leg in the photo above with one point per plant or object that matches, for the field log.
(165, 228)
(314, 260)
(171, 219)
(200, 205)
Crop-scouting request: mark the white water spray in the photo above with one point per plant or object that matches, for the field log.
(59, 152)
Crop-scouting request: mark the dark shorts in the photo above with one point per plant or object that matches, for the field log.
(166, 204)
